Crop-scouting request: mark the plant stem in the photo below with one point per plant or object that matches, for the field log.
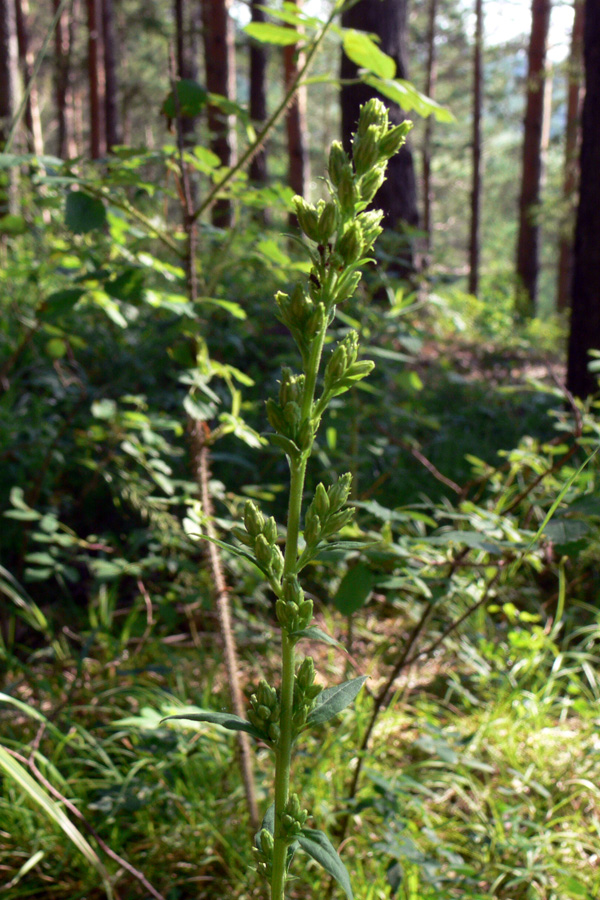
(284, 748)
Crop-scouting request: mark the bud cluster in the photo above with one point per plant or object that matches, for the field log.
(260, 536)
(263, 853)
(304, 318)
(325, 515)
(343, 368)
(305, 692)
(293, 818)
(294, 612)
(342, 231)
(264, 710)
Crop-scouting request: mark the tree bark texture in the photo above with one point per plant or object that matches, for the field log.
(186, 44)
(33, 125)
(9, 89)
(398, 195)
(219, 54)
(531, 177)
(63, 83)
(295, 123)
(475, 226)
(585, 295)
(258, 94)
(571, 170)
(96, 79)
(430, 86)
(111, 95)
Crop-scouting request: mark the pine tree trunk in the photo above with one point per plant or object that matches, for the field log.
(111, 96)
(9, 90)
(63, 88)
(258, 94)
(398, 195)
(474, 237)
(96, 80)
(572, 135)
(187, 53)
(219, 54)
(295, 123)
(529, 228)
(585, 296)
(430, 86)
(35, 143)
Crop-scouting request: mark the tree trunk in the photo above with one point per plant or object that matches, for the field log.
(63, 88)
(585, 296)
(96, 80)
(219, 54)
(111, 97)
(35, 143)
(9, 88)
(258, 95)
(529, 228)
(295, 123)
(574, 101)
(474, 236)
(398, 195)
(187, 53)
(430, 86)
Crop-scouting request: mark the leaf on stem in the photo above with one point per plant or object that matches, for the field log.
(320, 848)
(333, 700)
(267, 33)
(225, 720)
(316, 634)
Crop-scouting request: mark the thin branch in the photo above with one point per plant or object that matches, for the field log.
(253, 149)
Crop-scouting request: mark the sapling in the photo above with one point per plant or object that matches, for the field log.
(340, 233)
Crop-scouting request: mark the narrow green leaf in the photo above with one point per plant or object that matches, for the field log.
(36, 793)
(225, 720)
(317, 634)
(267, 33)
(354, 589)
(320, 848)
(333, 700)
(241, 552)
(365, 53)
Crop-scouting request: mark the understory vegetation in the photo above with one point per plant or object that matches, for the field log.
(469, 765)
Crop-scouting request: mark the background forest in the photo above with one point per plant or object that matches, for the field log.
(150, 152)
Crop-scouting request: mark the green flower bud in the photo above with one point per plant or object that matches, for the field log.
(270, 530)
(292, 592)
(263, 551)
(373, 112)
(266, 842)
(327, 221)
(306, 673)
(365, 151)
(321, 501)
(336, 365)
(347, 286)
(312, 528)
(336, 522)
(360, 370)
(292, 416)
(274, 732)
(305, 434)
(350, 246)
(347, 192)
(391, 142)
(338, 158)
(371, 182)
(305, 614)
(339, 492)
(307, 218)
(254, 520)
(277, 563)
(370, 223)
(242, 536)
